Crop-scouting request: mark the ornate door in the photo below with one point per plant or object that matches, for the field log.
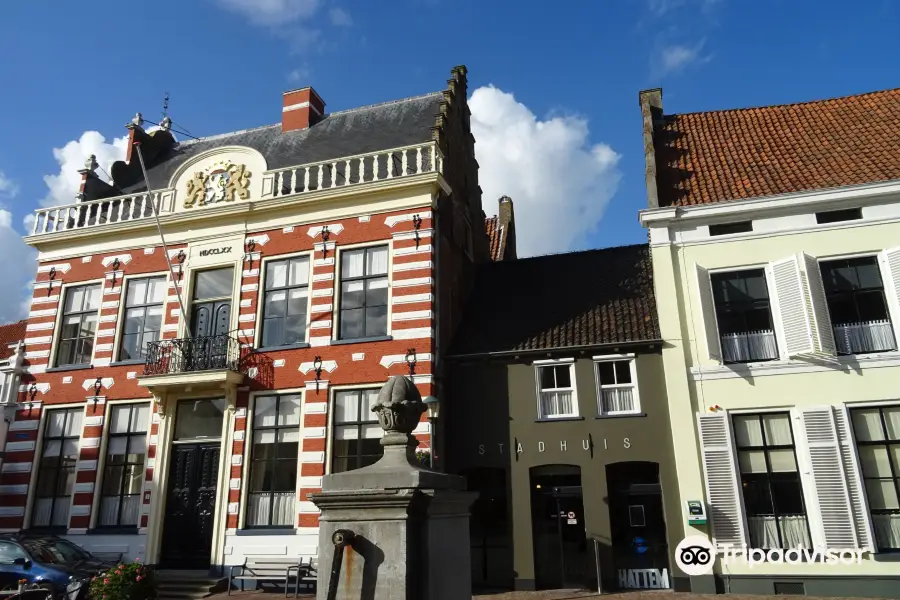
(210, 322)
(190, 504)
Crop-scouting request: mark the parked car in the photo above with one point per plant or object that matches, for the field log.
(49, 562)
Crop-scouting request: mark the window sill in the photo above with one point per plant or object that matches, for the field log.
(555, 419)
(68, 368)
(266, 531)
(845, 363)
(47, 530)
(124, 363)
(379, 338)
(622, 415)
(286, 347)
(113, 531)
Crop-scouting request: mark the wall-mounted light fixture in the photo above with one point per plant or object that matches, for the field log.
(249, 247)
(180, 257)
(325, 235)
(52, 276)
(32, 393)
(317, 367)
(411, 361)
(417, 223)
(98, 386)
(115, 268)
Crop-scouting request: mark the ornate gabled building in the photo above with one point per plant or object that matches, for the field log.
(208, 328)
(774, 235)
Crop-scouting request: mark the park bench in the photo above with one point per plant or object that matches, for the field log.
(267, 569)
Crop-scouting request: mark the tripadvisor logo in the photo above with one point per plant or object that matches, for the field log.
(695, 555)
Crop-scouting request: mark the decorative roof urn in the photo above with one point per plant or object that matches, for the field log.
(399, 407)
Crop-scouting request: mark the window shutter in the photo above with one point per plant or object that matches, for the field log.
(708, 310)
(827, 496)
(723, 489)
(793, 310)
(855, 486)
(890, 272)
(823, 335)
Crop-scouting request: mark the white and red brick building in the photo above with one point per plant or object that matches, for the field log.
(181, 399)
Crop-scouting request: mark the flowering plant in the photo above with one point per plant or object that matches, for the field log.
(133, 581)
(423, 455)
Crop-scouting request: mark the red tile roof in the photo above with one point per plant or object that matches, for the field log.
(495, 237)
(9, 335)
(746, 153)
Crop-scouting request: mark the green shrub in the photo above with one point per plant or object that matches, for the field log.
(133, 581)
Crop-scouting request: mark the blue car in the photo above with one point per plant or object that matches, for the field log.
(49, 562)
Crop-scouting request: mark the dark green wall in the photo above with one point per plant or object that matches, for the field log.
(495, 410)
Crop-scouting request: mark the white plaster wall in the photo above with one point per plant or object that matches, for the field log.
(303, 543)
(132, 546)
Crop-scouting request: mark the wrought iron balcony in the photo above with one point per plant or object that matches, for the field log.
(194, 355)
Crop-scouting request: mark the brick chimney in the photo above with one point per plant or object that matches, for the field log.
(301, 109)
(507, 220)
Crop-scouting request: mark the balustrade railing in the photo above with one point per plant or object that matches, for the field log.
(361, 168)
(94, 212)
(333, 173)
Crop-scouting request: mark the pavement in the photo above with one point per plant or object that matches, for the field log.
(550, 595)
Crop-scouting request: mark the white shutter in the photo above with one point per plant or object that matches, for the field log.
(708, 311)
(723, 490)
(858, 501)
(828, 500)
(823, 335)
(793, 310)
(890, 273)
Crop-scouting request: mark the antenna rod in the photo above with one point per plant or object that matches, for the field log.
(137, 146)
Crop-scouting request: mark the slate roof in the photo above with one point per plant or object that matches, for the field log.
(725, 155)
(345, 133)
(10, 334)
(590, 298)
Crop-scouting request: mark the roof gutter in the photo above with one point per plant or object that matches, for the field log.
(548, 351)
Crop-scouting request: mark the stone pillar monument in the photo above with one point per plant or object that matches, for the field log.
(394, 530)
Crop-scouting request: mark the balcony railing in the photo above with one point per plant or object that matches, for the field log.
(334, 173)
(193, 355)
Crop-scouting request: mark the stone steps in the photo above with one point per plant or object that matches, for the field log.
(188, 585)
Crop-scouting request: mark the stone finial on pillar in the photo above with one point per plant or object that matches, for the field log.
(399, 408)
(91, 163)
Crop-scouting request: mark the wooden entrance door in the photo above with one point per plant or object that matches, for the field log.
(190, 506)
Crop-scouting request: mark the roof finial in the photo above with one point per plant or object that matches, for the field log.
(91, 163)
(138, 120)
(166, 123)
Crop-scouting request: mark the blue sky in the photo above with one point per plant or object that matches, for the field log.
(558, 129)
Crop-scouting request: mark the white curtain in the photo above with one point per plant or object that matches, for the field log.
(281, 505)
(867, 336)
(556, 403)
(378, 261)
(753, 345)
(109, 510)
(764, 532)
(60, 516)
(352, 264)
(887, 530)
(617, 400)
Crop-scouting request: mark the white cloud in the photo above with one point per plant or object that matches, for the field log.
(300, 75)
(559, 181)
(340, 17)
(64, 185)
(8, 187)
(272, 13)
(676, 57)
(19, 267)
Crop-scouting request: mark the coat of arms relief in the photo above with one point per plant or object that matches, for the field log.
(221, 182)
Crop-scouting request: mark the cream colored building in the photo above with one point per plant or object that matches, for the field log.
(775, 236)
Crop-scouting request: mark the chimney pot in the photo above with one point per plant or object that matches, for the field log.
(301, 109)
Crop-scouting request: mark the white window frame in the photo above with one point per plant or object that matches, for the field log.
(331, 421)
(39, 453)
(123, 300)
(60, 315)
(101, 461)
(538, 364)
(632, 364)
(338, 254)
(247, 458)
(261, 296)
